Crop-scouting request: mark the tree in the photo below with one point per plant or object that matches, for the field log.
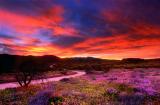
(26, 71)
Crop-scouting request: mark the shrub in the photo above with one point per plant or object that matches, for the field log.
(125, 88)
(27, 70)
(111, 94)
(56, 100)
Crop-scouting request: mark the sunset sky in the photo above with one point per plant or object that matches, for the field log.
(111, 29)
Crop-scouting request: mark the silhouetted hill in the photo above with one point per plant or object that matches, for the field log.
(139, 60)
(83, 59)
(9, 63)
(132, 60)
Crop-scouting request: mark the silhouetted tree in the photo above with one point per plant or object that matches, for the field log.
(26, 71)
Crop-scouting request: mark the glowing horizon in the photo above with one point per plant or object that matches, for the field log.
(78, 28)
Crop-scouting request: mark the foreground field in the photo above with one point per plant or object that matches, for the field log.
(116, 87)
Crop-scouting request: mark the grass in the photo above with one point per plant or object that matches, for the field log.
(19, 96)
(85, 90)
(78, 92)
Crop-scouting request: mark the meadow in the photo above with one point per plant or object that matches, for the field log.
(131, 81)
(116, 87)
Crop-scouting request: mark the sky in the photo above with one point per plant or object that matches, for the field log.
(109, 29)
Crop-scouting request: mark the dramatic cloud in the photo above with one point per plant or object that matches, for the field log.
(105, 28)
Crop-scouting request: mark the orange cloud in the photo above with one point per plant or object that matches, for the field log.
(66, 31)
(124, 36)
(118, 47)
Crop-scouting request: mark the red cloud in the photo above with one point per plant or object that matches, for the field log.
(140, 39)
(118, 47)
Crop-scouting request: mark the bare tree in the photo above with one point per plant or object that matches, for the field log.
(26, 71)
(24, 78)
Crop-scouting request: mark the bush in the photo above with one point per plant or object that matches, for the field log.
(56, 100)
(125, 88)
(27, 70)
(111, 94)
